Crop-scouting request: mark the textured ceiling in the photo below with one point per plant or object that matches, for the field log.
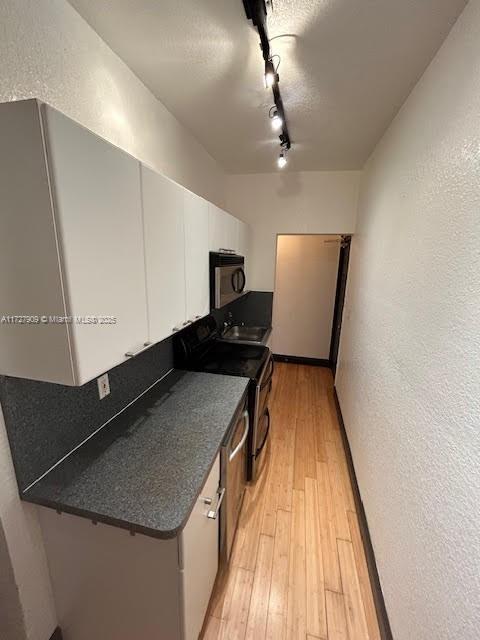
(346, 68)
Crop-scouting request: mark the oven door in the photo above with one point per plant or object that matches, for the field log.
(264, 387)
(230, 284)
(262, 419)
(263, 429)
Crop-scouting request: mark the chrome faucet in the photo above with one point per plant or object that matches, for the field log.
(228, 322)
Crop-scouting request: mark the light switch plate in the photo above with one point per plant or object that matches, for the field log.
(103, 386)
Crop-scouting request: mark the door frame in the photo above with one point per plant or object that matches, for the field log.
(343, 262)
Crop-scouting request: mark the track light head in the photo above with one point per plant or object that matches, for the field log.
(277, 121)
(282, 159)
(271, 76)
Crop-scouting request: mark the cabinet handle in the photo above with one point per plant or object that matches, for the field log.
(132, 354)
(213, 513)
(182, 326)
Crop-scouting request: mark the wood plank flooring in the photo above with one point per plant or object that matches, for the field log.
(298, 568)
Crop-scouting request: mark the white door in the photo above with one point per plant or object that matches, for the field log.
(199, 556)
(223, 231)
(196, 256)
(163, 205)
(96, 190)
(304, 300)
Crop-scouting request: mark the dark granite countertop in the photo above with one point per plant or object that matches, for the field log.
(145, 469)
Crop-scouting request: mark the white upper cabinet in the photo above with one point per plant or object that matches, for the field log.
(244, 240)
(71, 245)
(97, 205)
(163, 207)
(196, 256)
(223, 229)
(100, 257)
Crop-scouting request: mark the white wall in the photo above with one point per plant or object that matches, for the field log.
(409, 374)
(304, 301)
(289, 203)
(48, 51)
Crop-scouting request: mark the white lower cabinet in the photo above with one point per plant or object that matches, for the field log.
(199, 558)
(108, 584)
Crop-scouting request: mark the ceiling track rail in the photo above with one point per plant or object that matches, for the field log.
(256, 11)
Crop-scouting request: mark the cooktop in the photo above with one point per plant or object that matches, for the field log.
(199, 349)
(232, 359)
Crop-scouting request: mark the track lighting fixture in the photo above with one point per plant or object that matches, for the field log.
(256, 11)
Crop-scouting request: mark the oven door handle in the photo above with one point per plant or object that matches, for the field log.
(260, 448)
(270, 375)
(244, 437)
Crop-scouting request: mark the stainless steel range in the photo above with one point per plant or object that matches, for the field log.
(199, 348)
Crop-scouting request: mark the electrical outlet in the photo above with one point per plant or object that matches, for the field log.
(103, 386)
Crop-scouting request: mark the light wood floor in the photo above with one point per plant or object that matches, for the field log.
(298, 568)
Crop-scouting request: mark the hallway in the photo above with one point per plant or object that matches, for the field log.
(298, 568)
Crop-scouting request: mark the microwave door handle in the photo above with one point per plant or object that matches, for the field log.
(234, 281)
(238, 276)
(242, 279)
(244, 437)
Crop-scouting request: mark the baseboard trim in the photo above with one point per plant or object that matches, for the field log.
(383, 622)
(313, 362)
(57, 634)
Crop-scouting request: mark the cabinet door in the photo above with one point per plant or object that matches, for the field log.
(223, 229)
(96, 192)
(199, 545)
(244, 241)
(231, 225)
(163, 204)
(30, 278)
(196, 256)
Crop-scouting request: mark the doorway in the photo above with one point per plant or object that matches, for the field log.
(304, 298)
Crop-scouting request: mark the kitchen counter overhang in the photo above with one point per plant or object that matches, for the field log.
(145, 469)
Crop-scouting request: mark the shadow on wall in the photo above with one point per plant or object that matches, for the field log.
(12, 624)
(290, 185)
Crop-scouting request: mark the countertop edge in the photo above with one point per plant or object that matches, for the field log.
(98, 518)
(132, 527)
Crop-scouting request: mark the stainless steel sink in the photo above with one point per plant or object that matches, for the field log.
(240, 333)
